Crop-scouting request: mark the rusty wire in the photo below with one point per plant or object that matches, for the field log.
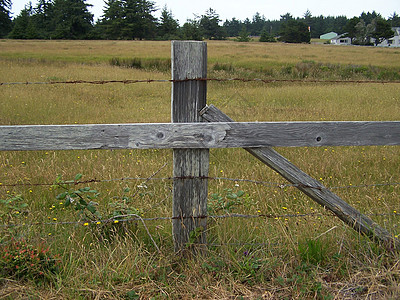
(236, 180)
(132, 81)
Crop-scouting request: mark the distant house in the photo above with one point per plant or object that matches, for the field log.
(341, 39)
(393, 41)
(328, 36)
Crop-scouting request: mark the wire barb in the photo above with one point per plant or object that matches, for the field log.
(132, 81)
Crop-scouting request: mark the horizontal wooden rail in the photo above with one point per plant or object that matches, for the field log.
(198, 135)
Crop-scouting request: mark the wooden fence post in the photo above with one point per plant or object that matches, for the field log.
(189, 207)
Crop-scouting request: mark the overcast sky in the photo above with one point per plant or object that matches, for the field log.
(242, 9)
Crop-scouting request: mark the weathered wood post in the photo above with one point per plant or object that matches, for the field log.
(189, 207)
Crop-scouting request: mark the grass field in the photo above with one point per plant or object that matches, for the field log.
(301, 252)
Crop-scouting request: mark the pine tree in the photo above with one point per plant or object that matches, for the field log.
(128, 19)
(266, 37)
(42, 18)
(71, 19)
(293, 31)
(381, 30)
(168, 26)
(24, 26)
(5, 18)
(209, 25)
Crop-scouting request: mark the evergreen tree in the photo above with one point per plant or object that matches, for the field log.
(112, 22)
(128, 19)
(5, 18)
(257, 25)
(266, 37)
(394, 20)
(286, 17)
(24, 27)
(191, 30)
(381, 30)
(350, 27)
(293, 31)
(168, 26)
(243, 35)
(232, 27)
(71, 19)
(369, 17)
(42, 18)
(209, 25)
(138, 20)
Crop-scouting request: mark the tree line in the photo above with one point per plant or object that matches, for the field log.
(134, 19)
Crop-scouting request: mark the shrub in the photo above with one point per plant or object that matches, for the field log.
(21, 260)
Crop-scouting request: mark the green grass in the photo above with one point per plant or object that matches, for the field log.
(313, 256)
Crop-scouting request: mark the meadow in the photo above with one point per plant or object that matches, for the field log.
(297, 250)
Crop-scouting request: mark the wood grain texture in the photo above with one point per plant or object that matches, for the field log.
(189, 61)
(312, 188)
(198, 135)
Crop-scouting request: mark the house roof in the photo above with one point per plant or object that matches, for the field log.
(343, 35)
(328, 36)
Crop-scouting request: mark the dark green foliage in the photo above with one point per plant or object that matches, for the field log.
(128, 20)
(294, 32)
(24, 27)
(243, 35)
(232, 27)
(167, 29)
(5, 18)
(133, 19)
(191, 31)
(394, 20)
(266, 37)
(382, 30)
(42, 18)
(71, 19)
(209, 26)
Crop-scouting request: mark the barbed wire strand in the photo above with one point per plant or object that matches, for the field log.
(133, 81)
(116, 219)
(152, 178)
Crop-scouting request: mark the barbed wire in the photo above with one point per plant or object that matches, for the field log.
(124, 218)
(132, 81)
(236, 180)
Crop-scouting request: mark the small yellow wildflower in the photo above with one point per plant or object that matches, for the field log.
(284, 207)
(54, 219)
(86, 224)
(116, 221)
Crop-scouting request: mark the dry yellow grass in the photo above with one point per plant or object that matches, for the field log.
(351, 266)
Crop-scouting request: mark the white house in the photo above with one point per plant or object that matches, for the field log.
(341, 39)
(394, 41)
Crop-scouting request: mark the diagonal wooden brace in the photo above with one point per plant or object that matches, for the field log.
(312, 187)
